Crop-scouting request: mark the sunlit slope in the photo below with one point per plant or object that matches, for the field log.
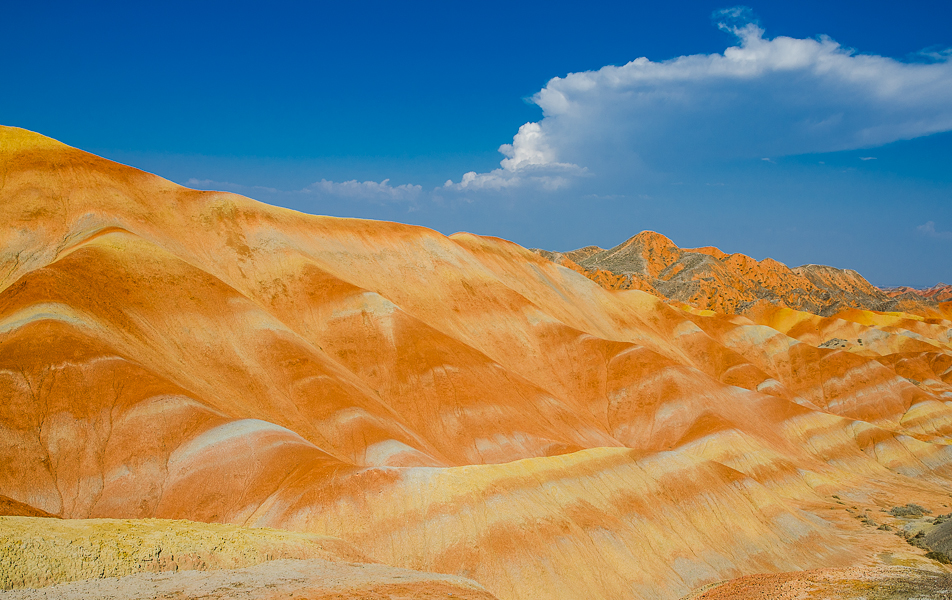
(454, 404)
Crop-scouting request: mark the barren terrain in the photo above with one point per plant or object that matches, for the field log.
(450, 405)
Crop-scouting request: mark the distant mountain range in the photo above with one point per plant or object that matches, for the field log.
(735, 283)
(941, 292)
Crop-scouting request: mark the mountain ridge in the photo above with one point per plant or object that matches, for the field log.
(711, 279)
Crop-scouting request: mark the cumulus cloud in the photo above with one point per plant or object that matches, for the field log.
(762, 97)
(530, 160)
(928, 229)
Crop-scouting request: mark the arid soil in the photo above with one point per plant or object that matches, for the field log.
(38, 552)
(312, 579)
(856, 583)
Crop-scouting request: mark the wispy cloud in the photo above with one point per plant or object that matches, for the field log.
(226, 186)
(928, 229)
(366, 190)
(867, 158)
(371, 191)
(734, 18)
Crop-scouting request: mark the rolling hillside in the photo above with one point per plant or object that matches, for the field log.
(458, 405)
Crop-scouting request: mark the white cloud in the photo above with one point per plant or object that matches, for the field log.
(867, 158)
(366, 190)
(928, 229)
(226, 186)
(762, 97)
(548, 177)
(528, 148)
(530, 160)
(734, 18)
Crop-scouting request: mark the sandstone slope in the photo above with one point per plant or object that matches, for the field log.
(456, 404)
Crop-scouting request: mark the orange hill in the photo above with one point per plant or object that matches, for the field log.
(941, 292)
(713, 280)
(458, 405)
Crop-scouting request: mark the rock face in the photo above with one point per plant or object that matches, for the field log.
(459, 405)
(713, 280)
(10, 507)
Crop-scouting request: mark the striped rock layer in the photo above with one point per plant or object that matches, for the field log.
(455, 404)
(735, 283)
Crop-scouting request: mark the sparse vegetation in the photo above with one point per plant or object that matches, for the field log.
(939, 556)
(867, 521)
(909, 510)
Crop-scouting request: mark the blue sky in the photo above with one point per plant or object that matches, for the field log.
(810, 132)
